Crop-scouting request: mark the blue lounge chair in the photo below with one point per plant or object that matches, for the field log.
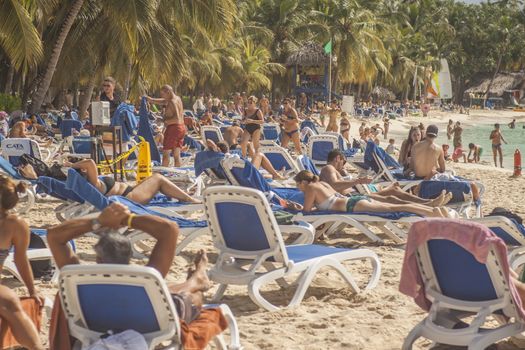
(251, 240)
(272, 132)
(212, 133)
(320, 145)
(103, 298)
(280, 159)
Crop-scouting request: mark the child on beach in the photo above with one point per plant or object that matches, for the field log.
(445, 148)
(497, 137)
(458, 153)
(391, 148)
(476, 151)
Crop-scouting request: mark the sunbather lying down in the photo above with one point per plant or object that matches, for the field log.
(114, 248)
(321, 196)
(142, 193)
(258, 159)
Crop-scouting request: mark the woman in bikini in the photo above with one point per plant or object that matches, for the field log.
(142, 193)
(333, 113)
(253, 120)
(344, 127)
(319, 195)
(414, 136)
(14, 233)
(290, 120)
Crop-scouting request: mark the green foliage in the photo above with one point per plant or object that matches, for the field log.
(9, 103)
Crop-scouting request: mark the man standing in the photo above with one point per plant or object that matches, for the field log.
(174, 128)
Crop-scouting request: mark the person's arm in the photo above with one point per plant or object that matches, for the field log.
(342, 185)
(402, 153)
(502, 139)
(469, 153)
(89, 166)
(441, 162)
(21, 240)
(157, 101)
(166, 233)
(59, 236)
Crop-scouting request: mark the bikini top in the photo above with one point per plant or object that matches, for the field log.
(329, 202)
(253, 116)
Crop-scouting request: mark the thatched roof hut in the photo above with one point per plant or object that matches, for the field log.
(383, 94)
(503, 82)
(310, 54)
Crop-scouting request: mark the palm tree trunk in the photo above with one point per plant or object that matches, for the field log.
(39, 95)
(9, 79)
(500, 58)
(86, 98)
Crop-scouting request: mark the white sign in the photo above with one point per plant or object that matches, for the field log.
(348, 104)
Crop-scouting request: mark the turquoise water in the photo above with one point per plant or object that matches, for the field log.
(480, 135)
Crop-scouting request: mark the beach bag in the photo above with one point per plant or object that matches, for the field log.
(499, 211)
(55, 171)
(40, 168)
(127, 340)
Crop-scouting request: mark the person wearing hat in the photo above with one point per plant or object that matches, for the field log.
(427, 158)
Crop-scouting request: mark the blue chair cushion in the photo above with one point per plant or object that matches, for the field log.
(300, 253)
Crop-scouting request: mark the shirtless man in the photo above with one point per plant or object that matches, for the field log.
(457, 131)
(175, 130)
(290, 120)
(334, 174)
(232, 135)
(333, 113)
(425, 155)
(512, 124)
(497, 138)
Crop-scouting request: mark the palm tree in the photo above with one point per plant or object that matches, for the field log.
(49, 70)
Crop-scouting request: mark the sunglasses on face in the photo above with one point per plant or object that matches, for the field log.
(106, 85)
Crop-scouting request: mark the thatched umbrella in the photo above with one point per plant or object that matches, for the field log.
(502, 82)
(383, 94)
(310, 54)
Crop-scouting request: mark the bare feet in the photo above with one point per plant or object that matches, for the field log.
(438, 201)
(448, 198)
(199, 275)
(278, 176)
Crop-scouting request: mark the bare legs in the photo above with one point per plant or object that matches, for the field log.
(197, 282)
(395, 191)
(21, 325)
(296, 139)
(374, 206)
(255, 137)
(495, 152)
(148, 188)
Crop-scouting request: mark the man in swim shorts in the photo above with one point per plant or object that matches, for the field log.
(173, 118)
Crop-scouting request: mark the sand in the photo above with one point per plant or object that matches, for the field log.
(331, 317)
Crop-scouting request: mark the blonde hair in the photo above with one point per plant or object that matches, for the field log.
(305, 175)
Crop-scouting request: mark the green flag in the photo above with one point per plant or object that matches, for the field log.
(328, 47)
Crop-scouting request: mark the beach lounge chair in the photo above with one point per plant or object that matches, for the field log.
(248, 239)
(509, 230)
(280, 159)
(103, 298)
(458, 271)
(211, 133)
(13, 148)
(305, 163)
(272, 132)
(242, 173)
(320, 145)
(190, 229)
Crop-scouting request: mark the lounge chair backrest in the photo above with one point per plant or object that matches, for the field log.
(320, 145)
(242, 224)
(106, 297)
(309, 124)
(67, 125)
(240, 172)
(450, 271)
(271, 131)
(82, 145)
(211, 133)
(279, 157)
(57, 189)
(13, 148)
(305, 163)
(81, 186)
(510, 231)
(8, 168)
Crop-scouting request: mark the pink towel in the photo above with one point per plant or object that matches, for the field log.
(473, 237)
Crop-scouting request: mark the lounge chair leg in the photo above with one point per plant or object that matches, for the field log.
(219, 293)
(414, 334)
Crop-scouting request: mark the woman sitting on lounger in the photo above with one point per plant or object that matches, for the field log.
(321, 196)
(142, 193)
(14, 232)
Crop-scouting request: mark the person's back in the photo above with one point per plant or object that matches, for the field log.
(427, 157)
(232, 134)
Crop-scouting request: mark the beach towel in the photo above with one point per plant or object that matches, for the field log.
(197, 334)
(145, 130)
(33, 310)
(432, 189)
(192, 143)
(57, 189)
(125, 118)
(77, 183)
(309, 165)
(370, 162)
(208, 160)
(473, 237)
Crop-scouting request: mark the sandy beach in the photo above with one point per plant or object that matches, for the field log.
(331, 317)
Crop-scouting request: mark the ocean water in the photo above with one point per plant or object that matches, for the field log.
(479, 135)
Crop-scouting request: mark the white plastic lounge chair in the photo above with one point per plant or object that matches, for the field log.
(320, 145)
(459, 286)
(509, 231)
(280, 159)
(101, 298)
(271, 132)
(248, 239)
(211, 133)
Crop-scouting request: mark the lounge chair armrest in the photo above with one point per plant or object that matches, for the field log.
(306, 231)
(517, 261)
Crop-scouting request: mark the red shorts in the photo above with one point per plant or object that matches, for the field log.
(174, 136)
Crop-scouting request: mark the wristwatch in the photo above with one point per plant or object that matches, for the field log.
(95, 225)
